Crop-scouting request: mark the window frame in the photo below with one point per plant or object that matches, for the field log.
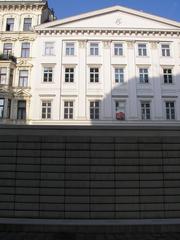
(49, 51)
(118, 50)
(144, 114)
(69, 51)
(94, 51)
(69, 114)
(23, 79)
(21, 111)
(48, 73)
(170, 110)
(2, 108)
(48, 109)
(10, 26)
(94, 76)
(25, 51)
(3, 75)
(165, 52)
(29, 26)
(94, 110)
(168, 76)
(143, 75)
(7, 50)
(120, 74)
(69, 76)
(142, 49)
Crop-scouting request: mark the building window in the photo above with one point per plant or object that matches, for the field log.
(94, 110)
(25, 50)
(120, 110)
(68, 109)
(165, 50)
(46, 109)
(170, 110)
(23, 78)
(143, 75)
(142, 50)
(9, 109)
(94, 49)
(11, 76)
(1, 107)
(118, 49)
(21, 110)
(94, 75)
(168, 78)
(145, 111)
(70, 49)
(27, 24)
(49, 48)
(69, 75)
(7, 50)
(48, 74)
(119, 75)
(10, 24)
(3, 75)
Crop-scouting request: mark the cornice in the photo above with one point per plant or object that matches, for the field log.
(108, 32)
(20, 7)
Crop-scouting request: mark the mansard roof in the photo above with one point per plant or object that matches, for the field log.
(113, 17)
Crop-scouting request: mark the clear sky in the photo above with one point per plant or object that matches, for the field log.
(165, 8)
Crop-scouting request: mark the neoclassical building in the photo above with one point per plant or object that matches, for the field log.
(109, 67)
(17, 36)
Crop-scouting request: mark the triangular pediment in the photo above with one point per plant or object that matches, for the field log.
(113, 17)
(22, 94)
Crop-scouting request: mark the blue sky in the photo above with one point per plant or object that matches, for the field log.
(165, 8)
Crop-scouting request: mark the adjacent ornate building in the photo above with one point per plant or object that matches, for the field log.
(112, 66)
(17, 36)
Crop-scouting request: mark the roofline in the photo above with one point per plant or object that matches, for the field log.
(108, 10)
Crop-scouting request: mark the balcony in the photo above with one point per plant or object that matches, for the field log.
(4, 57)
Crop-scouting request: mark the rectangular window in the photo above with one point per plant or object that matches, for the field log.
(49, 48)
(25, 50)
(143, 75)
(46, 109)
(94, 110)
(142, 50)
(70, 49)
(94, 49)
(23, 78)
(119, 75)
(165, 50)
(1, 107)
(10, 24)
(7, 50)
(27, 24)
(9, 109)
(145, 111)
(21, 110)
(168, 78)
(170, 110)
(69, 75)
(3, 75)
(11, 76)
(68, 109)
(48, 74)
(120, 110)
(94, 75)
(118, 49)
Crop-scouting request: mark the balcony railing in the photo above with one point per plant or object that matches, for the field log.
(8, 58)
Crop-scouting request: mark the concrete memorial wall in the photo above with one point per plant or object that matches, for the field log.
(90, 173)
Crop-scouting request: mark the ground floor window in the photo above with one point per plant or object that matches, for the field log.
(46, 109)
(68, 109)
(1, 107)
(170, 110)
(21, 110)
(145, 110)
(94, 110)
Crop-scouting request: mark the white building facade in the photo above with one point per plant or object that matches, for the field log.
(109, 67)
